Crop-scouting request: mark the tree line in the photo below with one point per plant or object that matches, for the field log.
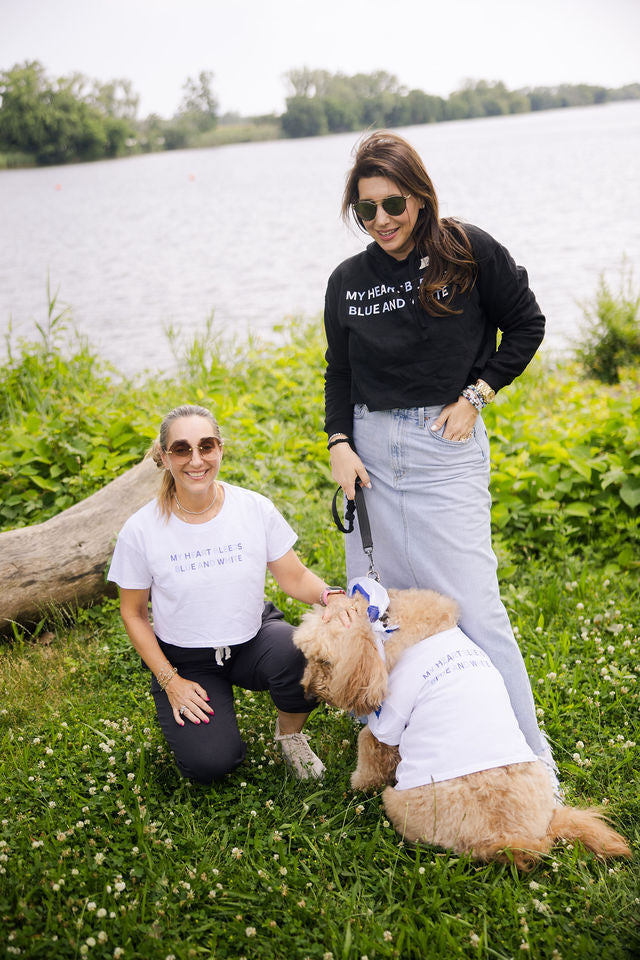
(322, 102)
(58, 120)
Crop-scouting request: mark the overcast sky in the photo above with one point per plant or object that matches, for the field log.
(432, 45)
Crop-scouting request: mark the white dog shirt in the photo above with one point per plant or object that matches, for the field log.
(448, 711)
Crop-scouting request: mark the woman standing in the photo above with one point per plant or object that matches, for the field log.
(412, 360)
(201, 551)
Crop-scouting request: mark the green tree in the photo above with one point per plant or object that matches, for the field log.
(199, 106)
(422, 107)
(115, 99)
(62, 120)
(304, 117)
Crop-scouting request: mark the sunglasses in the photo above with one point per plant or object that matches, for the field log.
(394, 206)
(207, 448)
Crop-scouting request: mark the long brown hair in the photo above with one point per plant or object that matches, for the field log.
(159, 446)
(385, 154)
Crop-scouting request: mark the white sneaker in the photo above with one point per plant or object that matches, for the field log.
(299, 755)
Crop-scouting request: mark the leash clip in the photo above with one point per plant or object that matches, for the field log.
(372, 573)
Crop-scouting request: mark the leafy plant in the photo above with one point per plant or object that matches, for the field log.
(612, 332)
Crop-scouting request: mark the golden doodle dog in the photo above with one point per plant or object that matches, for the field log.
(457, 770)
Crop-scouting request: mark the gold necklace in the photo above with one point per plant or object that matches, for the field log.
(196, 513)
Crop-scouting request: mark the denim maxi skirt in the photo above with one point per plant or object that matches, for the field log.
(430, 513)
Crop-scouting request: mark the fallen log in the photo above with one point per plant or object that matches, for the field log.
(62, 562)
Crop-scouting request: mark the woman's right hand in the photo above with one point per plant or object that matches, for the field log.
(190, 695)
(346, 465)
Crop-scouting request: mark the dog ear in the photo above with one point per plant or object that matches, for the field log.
(313, 637)
(359, 680)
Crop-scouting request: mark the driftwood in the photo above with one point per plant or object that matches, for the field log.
(62, 561)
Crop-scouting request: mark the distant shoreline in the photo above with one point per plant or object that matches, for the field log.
(325, 104)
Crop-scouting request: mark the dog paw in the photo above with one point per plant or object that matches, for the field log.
(361, 782)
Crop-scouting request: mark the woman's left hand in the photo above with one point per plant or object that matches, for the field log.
(339, 605)
(459, 417)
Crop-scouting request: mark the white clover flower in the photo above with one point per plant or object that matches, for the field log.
(101, 912)
(90, 942)
(99, 858)
(250, 931)
(387, 935)
(91, 906)
(236, 852)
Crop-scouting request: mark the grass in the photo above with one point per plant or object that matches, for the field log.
(105, 848)
(105, 852)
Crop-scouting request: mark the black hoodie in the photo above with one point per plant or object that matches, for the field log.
(386, 350)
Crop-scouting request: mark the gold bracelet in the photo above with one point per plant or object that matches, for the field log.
(166, 676)
(487, 393)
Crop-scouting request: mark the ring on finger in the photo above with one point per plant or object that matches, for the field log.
(182, 710)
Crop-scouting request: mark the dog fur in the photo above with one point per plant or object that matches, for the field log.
(506, 813)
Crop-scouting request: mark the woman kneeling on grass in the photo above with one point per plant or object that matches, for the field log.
(202, 550)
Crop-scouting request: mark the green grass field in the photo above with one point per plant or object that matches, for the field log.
(106, 852)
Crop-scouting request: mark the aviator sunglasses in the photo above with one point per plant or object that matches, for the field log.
(394, 206)
(208, 447)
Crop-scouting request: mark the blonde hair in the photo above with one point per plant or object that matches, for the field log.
(159, 446)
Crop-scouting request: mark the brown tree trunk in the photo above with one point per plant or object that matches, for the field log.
(62, 561)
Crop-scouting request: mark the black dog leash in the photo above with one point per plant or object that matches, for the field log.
(358, 506)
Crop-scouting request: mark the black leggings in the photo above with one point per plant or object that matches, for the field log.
(207, 751)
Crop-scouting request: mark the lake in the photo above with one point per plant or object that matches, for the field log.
(252, 231)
